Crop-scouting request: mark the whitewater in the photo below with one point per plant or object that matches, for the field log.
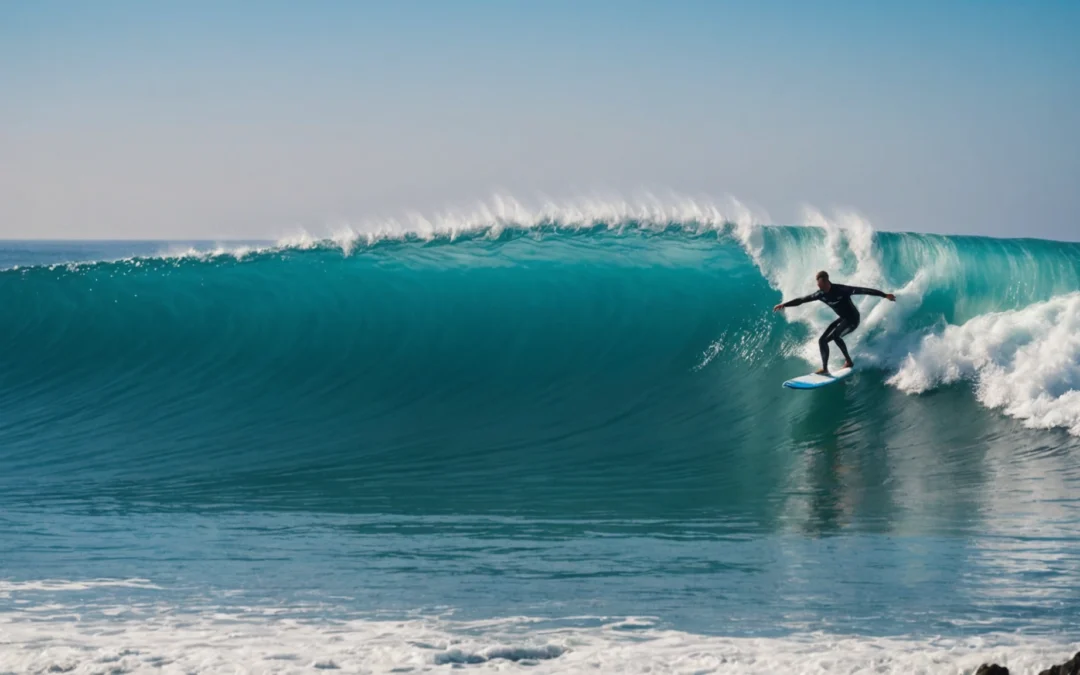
(544, 437)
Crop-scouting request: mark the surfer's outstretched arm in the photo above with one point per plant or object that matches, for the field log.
(859, 290)
(798, 301)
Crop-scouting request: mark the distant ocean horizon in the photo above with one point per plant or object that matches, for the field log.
(548, 444)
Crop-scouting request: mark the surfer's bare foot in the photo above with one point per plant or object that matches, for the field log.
(849, 364)
(823, 371)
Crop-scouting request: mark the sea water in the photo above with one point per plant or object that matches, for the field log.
(551, 444)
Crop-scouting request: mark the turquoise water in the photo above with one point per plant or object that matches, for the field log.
(581, 426)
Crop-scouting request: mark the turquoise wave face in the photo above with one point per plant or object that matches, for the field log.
(590, 372)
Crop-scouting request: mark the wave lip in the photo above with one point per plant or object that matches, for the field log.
(502, 213)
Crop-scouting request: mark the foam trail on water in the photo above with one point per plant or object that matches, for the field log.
(55, 585)
(159, 640)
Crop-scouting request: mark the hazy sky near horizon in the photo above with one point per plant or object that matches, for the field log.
(211, 120)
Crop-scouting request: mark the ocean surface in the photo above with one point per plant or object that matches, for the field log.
(555, 444)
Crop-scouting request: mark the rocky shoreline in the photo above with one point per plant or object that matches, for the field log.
(1070, 667)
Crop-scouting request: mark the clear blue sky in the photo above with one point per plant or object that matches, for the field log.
(208, 119)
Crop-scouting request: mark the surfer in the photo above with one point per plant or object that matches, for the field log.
(837, 296)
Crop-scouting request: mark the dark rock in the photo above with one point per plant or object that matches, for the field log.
(992, 669)
(1070, 667)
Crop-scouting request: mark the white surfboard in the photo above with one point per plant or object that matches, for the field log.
(813, 380)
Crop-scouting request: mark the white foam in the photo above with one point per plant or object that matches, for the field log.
(62, 585)
(494, 216)
(1024, 362)
(166, 642)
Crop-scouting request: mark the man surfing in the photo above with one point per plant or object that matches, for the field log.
(838, 297)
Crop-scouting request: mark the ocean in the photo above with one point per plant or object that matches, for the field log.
(549, 444)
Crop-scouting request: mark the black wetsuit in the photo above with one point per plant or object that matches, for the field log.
(839, 298)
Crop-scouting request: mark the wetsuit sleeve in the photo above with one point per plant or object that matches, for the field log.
(858, 290)
(803, 300)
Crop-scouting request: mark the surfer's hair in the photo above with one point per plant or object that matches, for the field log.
(823, 275)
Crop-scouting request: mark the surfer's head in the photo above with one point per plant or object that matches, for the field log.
(823, 280)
